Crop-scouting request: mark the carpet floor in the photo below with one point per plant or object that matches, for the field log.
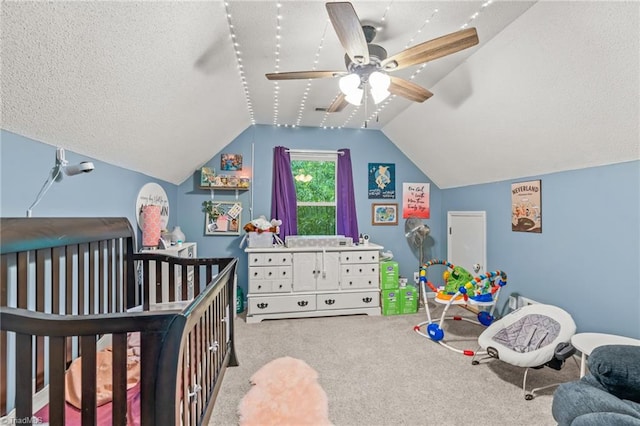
(377, 371)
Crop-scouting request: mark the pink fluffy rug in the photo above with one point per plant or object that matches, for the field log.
(285, 392)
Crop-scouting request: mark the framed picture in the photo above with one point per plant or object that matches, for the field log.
(384, 213)
(526, 208)
(231, 162)
(382, 180)
(415, 200)
(222, 217)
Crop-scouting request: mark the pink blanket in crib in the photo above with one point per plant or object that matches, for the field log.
(104, 386)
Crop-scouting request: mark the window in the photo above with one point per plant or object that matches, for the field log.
(315, 177)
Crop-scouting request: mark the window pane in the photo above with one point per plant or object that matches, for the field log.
(314, 180)
(316, 220)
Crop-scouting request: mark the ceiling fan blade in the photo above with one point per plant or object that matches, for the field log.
(302, 75)
(432, 49)
(338, 103)
(349, 30)
(409, 90)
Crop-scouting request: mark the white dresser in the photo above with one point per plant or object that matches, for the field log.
(186, 250)
(313, 281)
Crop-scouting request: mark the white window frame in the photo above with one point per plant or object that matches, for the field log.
(320, 156)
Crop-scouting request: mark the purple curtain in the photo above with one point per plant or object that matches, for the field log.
(283, 193)
(346, 203)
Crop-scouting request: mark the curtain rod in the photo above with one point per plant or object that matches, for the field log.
(313, 151)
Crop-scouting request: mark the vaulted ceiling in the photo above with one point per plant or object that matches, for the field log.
(551, 86)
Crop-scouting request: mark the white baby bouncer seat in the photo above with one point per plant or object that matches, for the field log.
(532, 336)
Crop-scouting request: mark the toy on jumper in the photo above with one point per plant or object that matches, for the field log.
(460, 288)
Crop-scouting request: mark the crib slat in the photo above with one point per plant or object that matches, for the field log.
(57, 366)
(81, 250)
(24, 407)
(110, 283)
(158, 283)
(172, 283)
(118, 278)
(41, 256)
(93, 247)
(68, 289)
(88, 348)
(101, 283)
(23, 279)
(185, 386)
(119, 379)
(200, 378)
(4, 271)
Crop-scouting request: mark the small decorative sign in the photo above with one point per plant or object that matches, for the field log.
(154, 195)
(382, 180)
(415, 200)
(526, 209)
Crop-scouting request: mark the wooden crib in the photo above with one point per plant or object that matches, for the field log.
(71, 287)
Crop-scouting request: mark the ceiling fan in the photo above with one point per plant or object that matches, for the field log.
(368, 64)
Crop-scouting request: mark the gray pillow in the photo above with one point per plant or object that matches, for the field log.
(617, 369)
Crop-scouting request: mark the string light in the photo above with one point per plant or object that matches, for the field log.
(240, 67)
(472, 18)
(308, 87)
(276, 85)
(315, 66)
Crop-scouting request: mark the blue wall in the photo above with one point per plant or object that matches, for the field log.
(367, 146)
(108, 191)
(587, 258)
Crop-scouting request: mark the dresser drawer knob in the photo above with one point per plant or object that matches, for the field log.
(270, 273)
(367, 299)
(329, 301)
(262, 305)
(303, 303)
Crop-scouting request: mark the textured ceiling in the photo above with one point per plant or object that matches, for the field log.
(160, 87)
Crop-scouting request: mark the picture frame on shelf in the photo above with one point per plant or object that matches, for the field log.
(384, 213)
(231, 162)
(222, 217)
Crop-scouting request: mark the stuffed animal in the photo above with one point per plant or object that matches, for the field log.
(261, 224)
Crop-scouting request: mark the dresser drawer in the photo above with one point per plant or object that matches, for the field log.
(350, 282)
(276, 304)
(368, 299)
(260, 286)
(357, 256)
(269, 259)
(359, 269)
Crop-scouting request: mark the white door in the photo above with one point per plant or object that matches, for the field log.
(466, 240)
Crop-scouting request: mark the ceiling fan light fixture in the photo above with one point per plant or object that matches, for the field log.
(379, 95)
(379, 83)
(350, 86)
(355, 97)
(349, 83)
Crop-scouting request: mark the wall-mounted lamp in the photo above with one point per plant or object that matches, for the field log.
(55, 175)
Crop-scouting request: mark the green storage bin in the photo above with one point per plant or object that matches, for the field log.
(389, 275)
(408, 300)
(390, 302)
